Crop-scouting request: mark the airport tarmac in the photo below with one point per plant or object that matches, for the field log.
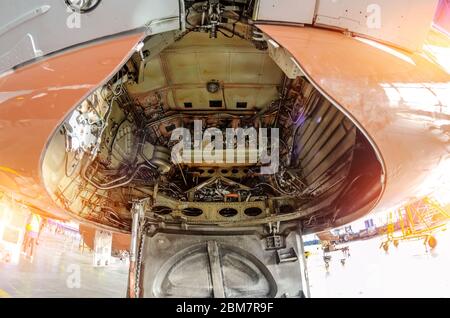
(61, 270)
(406, 271)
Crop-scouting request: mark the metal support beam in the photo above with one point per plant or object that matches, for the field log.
(134, 287)
(216, 270)
(302, 263)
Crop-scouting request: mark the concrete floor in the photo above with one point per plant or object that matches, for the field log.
(406, 271)
(60, 270)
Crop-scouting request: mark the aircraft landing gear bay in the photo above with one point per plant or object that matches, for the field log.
(166, 260)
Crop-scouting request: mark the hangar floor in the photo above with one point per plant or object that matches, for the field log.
(54, 272)
(406, 271)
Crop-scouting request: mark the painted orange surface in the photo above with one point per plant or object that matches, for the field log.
(400, 99)
(36, 98)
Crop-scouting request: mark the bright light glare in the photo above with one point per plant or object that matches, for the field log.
(386, 49)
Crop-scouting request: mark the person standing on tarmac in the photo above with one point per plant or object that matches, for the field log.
(31, 235)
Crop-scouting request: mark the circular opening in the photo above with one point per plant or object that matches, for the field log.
(234, 171)
(160, 209)
(211, 171)
(82, 6)
(252, 211)
(213, 86)
(228, 212)
(224, 171)
(286, 209)
(192, 211)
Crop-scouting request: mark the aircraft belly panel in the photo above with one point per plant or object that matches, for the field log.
(393, 96)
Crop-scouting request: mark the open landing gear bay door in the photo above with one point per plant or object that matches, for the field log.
(393, 96)
(48, 89)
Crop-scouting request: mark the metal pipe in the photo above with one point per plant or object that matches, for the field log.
(134, 231)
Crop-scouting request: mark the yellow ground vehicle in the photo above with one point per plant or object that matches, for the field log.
(417, 220)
